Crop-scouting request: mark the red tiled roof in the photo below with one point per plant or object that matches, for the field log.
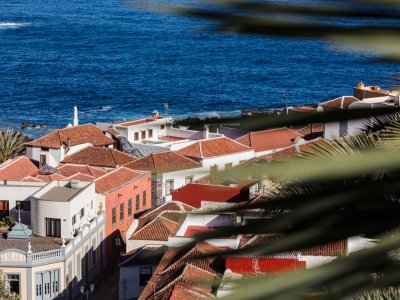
(157, 230)
(163, 162)
(195, 230)
(69, 170)
(340, 103)
(184, 291)
(17, 168)
(291, 152)
(113, 131)
(30, 178)
(86, 133)
(270, 139)
(193, 193)
(305, 108)
(51, 177)
(213, 147)
(183, 265)
(312, 128)
(80, 176)
(100, 157)
(115, 179)
(338, 248)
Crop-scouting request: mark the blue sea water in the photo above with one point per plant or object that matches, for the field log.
(117, 62)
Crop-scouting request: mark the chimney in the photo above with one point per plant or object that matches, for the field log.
(206, 132)
(69, 143)
(76, 121)
(74, 184)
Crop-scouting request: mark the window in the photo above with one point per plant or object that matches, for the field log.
(162, 127)
(43, 160)
(143, 135)
(23, 205)
(188, 179)
(145, 275)
(150, 133)
(144, 199)
(4, 208)
(214, 169)
(169, 186)
(228, 166)
(136, 136)
(114, 216)
(121, 213)
(137, 202)
(129, 208)
(53, 227)
(14, 283)
(44, 149)
(47, 284)
(73, 219)
(82, 212)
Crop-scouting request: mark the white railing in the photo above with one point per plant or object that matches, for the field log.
(46, 254)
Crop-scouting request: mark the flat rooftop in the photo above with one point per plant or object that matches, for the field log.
(60, 194)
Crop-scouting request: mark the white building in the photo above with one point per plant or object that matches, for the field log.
(52, 148)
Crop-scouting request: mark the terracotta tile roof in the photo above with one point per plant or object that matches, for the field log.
(338, 248)
(51, 177)
(80, 176)
(195, 230)
(163, 162)
(179, 265)
(86, 133)
(270, 139)
(30, 178)
(305, 108)
(340, 103)
(115, 179)
(291, 152)
(189, 275)
(17, 168)
(184, 291)
(312, 128)
(113, 131)
(212, 148)
(100, 157)
(69, 170)
(157, 230)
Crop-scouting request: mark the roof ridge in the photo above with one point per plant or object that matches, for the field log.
(148, 224)
(176, 280)
(5, 164)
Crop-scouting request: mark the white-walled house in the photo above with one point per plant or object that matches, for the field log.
(218, 153)
(169, 171)
(52, 148)
(60, 208)
(351, 127)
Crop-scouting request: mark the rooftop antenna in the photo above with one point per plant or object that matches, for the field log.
(166, 106)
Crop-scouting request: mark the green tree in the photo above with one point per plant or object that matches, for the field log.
(11, 144)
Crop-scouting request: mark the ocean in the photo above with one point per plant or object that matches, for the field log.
(116, 62)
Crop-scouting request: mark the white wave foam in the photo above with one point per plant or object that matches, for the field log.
(12, 25)
(101, 109)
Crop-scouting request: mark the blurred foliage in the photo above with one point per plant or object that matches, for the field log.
(11, 144)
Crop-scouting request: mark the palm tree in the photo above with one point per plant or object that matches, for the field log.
(11, 144)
